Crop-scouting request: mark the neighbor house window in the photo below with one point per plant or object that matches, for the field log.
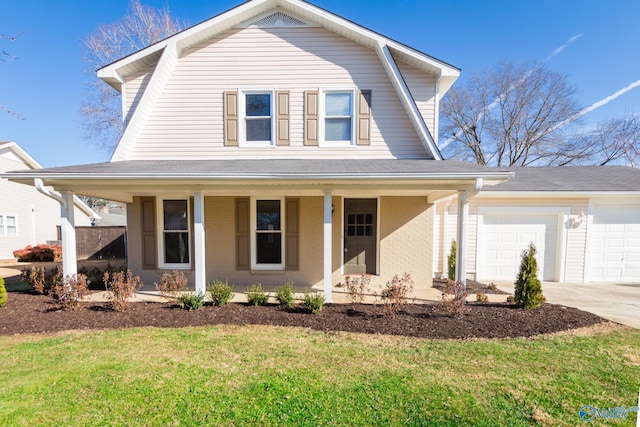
(268, 241)
(337, 115)
(8, 225)
(175, 240)
(256, 111)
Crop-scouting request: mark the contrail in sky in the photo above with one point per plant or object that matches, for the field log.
(608, 99)
(564, 46)
(497, 100)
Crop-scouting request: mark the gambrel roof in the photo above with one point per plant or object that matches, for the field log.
(166, 54)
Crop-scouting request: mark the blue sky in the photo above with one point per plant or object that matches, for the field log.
(45, 84)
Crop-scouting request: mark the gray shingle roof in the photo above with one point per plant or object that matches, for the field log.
(572, 178)
(271, 167)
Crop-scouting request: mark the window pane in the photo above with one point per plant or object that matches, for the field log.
(176, 248)
(269, 248)
(259, 130)
(258, 104)
(268, 215)
(175, 215)
(337, 129)
(338, 104)
(11, 220)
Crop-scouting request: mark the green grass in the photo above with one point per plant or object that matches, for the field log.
(258, 375)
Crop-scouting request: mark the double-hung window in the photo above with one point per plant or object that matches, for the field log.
(337, 115)
(8, 225)
(267, 234)
(175, 229)
(256, 112)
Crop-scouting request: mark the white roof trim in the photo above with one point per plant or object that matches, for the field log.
(407, 100)
(33, 164)
(446, 74)
(149, 97)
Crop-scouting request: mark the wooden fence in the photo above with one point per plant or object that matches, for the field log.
(100, 242)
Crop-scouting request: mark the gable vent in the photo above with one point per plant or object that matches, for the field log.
(277, 19)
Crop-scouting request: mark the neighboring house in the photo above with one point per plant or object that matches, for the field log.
(584, 221)
(28, 217)
(275, 142)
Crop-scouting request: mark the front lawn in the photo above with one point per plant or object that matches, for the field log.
(265, 375)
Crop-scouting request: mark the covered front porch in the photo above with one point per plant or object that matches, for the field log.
(272, 221)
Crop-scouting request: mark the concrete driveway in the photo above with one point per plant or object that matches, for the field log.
(619, 302)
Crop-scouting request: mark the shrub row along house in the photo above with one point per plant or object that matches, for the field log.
(278, 141)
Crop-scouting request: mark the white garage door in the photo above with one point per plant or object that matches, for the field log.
(504, 237)
(614, 243)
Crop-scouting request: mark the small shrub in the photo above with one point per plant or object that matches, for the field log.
(120, 287)
(285, 294)
(190, 301)
(256, 296)
(68, 292)
(3, 293)
(453, 302)
(39, 253)
(480, 297)
(492, 286)
(314, 301)
(36, 278)
(220, 292)
(357, 288)
(528, 292)
(511, 299)
(172, 284)
(451, 261)
(395, 293)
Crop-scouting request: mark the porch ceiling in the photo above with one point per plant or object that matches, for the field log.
(123, 180)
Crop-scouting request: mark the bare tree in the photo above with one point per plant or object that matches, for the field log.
(4, 57)
(614, 142)
(512, 115)
(139, 28)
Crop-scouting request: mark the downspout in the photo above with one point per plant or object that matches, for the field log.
(68, 236)
(464, 197)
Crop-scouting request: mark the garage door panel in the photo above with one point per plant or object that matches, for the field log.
(505, 237)
(614, 243)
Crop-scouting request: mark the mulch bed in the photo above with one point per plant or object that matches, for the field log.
(27, 313)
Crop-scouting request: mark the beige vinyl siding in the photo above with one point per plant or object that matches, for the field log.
(576, 237)
(133, 89)
(187, 119)
(423, 91)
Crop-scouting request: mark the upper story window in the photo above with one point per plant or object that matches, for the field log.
(175, 241)
(8, 225)
(337, 118)
(257, 118)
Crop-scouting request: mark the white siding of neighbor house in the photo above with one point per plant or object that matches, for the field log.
(187, 120)
(133, 89)
(27, 204)
(423, 90)
(576, 237)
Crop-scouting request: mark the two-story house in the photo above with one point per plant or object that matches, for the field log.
(273, 142)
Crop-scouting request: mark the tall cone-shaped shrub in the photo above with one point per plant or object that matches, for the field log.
(3, 293)
(528, 292)
(451, 261)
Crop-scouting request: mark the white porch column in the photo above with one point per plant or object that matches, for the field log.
(461, 238)
(68, 235)
(200, 269)
(328, 298)
(464, 197)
